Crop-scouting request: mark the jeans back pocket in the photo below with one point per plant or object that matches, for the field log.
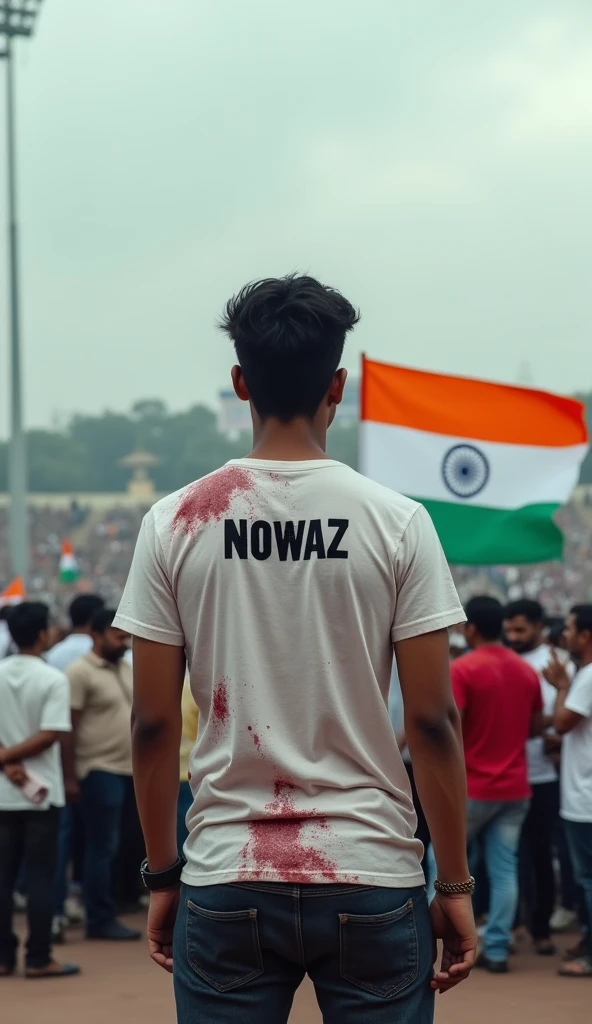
(379, 952)
(223, 948)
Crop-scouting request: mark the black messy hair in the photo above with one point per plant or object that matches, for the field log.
(289, 334)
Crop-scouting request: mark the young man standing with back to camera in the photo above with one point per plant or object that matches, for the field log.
(286, 579)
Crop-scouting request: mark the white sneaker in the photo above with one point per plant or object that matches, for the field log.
(73, 910)
(19, 901)
(562, 919)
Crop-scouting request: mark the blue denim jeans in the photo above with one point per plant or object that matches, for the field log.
(242, 950)
(103, 796)
(498, 825)
(579, 838)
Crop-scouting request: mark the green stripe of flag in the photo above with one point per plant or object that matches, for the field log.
(473, 535)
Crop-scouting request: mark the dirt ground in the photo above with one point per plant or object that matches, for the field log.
(121, 986)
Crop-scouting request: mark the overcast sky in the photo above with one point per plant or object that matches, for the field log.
(433, 160)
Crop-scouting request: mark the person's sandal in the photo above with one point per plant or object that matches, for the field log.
(575, 952)
(52, 970)
(581, 968)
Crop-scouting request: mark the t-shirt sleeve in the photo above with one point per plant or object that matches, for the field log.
(56, 715)
(579, 698)
(77, 679)
(148, 607)
(426, 596)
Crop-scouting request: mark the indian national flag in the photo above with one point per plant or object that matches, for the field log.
(14, 593)
(491, 463)
(69, 571)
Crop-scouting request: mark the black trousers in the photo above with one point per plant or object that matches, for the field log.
(422, 832)
(29, 838)
(537, 877)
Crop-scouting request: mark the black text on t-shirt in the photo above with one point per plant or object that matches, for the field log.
(292, 540)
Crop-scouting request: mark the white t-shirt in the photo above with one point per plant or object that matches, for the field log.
(540, 767)
(576, 753)
(33, 697)
(69, 650)
(287, 583)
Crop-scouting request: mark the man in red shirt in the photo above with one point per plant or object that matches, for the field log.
(499, 698)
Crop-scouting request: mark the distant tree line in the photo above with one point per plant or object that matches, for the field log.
(84, 456)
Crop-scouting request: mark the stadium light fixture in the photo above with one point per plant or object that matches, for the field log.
(17, 18)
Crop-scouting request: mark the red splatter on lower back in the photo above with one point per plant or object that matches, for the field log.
(277, 843)
(210, 499)
(220, 708)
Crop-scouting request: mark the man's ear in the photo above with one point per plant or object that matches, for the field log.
(238, 383)
(335, 395)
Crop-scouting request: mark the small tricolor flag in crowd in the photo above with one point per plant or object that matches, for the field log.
(491, 463)
(14, 593)
(69, 571)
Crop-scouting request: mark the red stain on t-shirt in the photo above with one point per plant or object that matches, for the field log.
(210, 499)
(220, 708)
(256, 738)
(277, 843)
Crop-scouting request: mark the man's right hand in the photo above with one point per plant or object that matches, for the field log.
(72, 790)
(454, 924)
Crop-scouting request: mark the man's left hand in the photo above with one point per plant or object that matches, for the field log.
(555, 673)
(161, 925)
(16, 774)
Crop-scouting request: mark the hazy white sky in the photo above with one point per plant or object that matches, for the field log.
(433, 160)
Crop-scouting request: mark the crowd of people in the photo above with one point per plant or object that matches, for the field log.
(523, 684)
(70, 839)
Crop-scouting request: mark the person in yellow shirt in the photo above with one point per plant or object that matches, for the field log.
(190, 714)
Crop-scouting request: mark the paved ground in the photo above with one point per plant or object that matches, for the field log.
(120, 986)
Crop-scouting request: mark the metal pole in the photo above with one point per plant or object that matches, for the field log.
(17, 466)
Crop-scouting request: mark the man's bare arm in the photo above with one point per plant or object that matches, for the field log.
(159, 672)
(68, 750)
(434, 737)
(32, 747)
(564, 719)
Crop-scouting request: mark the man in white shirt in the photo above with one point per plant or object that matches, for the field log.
(286, 578)
(79, 641)
(523, 628)
(573, 720)
(35, 711)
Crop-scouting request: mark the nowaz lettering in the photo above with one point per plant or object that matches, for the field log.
(292, 541)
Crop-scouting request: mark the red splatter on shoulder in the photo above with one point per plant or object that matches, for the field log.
(210, 499)
(277, 843)
(220, 707)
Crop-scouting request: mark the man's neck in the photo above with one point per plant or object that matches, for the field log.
(31, 652)
(80, 631)
(480, 642)
(586, 657)
(298, 441)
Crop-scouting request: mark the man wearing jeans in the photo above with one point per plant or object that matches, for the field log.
(573, 720)
(523, 629)
(286, 578)
(100, 761)
(499, 699)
